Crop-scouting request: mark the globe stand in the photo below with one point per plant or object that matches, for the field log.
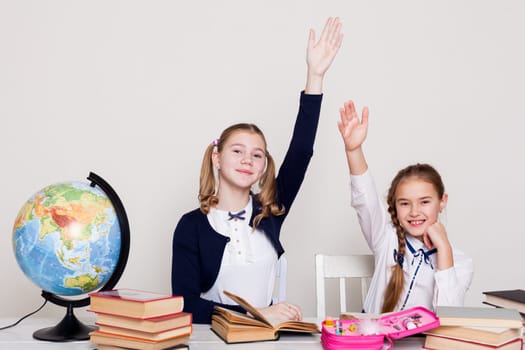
(70, 328)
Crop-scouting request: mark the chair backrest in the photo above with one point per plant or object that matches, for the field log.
(280, 276)
(341, 267)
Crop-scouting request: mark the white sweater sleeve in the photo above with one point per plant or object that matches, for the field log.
(371, 212)
(453, 283)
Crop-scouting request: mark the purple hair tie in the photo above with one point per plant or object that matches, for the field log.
(215, 142)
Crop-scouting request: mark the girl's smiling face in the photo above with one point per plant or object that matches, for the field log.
(418, 205)
(242, 159)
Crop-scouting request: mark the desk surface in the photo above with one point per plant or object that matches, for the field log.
(20, 337)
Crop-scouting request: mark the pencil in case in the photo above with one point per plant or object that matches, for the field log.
(370, 334)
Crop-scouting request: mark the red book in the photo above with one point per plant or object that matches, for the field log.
(135, 303)
(111, 347)
(147, 336)
(442, 343)
(106, 339)
(150, 325)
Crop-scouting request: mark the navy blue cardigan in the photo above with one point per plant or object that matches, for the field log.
(198, 248)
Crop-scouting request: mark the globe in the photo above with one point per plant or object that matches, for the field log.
(66, 238)
(69, 239)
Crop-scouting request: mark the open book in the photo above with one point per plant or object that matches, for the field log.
(236, 327)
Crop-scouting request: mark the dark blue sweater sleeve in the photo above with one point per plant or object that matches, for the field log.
(292, 171)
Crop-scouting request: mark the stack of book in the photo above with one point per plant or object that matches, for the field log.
(473, 328)
(510, 299)
(134, 319)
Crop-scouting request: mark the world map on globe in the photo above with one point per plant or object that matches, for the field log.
(66, 238)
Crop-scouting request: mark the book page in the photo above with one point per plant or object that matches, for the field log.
(239, 318)
(297, 326)
(248, 307)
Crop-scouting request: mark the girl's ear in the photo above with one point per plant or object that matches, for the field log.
(443, 202)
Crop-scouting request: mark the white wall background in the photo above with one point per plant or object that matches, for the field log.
(135, 90)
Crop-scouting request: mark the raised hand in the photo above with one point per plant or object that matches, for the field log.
(353, 131)
(320, 54)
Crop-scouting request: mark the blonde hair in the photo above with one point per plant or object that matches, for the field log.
(267, 184)
(426, 173)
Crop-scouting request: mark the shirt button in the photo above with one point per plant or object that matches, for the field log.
(239, 253)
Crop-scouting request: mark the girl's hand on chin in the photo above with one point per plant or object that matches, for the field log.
(436, 236)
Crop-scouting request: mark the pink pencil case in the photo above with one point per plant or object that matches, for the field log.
(370, 334)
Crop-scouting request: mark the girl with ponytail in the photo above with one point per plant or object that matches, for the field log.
(415, 263)
(232, 241)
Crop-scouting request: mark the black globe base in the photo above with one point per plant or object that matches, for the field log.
(69, 329)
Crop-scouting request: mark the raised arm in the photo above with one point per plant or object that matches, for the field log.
(354, 131)
(320, 55)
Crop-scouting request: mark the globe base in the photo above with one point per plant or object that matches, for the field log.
(69, 329)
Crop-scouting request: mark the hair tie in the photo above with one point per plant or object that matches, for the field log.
(215, 142)
(398, 258)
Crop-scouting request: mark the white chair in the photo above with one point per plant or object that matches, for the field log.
(341, 267)
(280, 276)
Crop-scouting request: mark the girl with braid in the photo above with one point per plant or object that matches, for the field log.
(415, 263)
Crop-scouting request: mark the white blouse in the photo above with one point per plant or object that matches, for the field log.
(249, 262)
(424, 284)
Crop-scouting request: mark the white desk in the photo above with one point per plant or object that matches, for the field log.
(20, 337)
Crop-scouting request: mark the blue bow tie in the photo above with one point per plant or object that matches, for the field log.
(399, 258)
(238, 215)
(420, 252)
